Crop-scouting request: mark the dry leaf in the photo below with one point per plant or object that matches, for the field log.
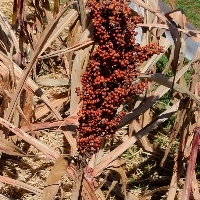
(53, 180)
(178, 16)
(113, 184)
(191, 165)
(82, 14)
(195, 187)
(50, 153)
(163, 80)
(177, 44)
(47, 125)
(125, 145)
(79, 65)
(20, 184)
(40, 46)
(124, 178)
(52, 82)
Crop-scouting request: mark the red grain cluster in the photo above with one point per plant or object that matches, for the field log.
(108, 79)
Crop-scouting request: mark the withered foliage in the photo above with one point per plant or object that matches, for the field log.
(72, 77)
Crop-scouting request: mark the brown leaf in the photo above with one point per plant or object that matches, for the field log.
(177, 43)
(77, 191)
(82, 13)
(113, 184)
(175, 130)
(6, 27)
(40, 46)
(72, 40)
(149, 17)
(100, 194)
(160, 91)
(117, 163)
(128, 143)
(136, 112)
(195, 187)
(52, 82)
(145, 6)
(124, 178)
(48, 151)
(44, 125)
(20, 184)
(70, 50)
(194, 36)
(163, 80)
(144, 140)
(174, 182)
(131, 196)
(53, 179)
(88, 191)
(27, 107)
(191, 165)
(40, 112)
(30, 84)
(14, 15)
(79, 66)
(72, 141)
(178, 16)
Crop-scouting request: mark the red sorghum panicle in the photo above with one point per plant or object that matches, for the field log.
(108, 79)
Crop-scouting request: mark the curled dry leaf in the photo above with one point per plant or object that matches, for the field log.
(178, 16)
(124, 178)
(53, 180)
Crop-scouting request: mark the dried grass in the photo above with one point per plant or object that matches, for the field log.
(38, 158)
